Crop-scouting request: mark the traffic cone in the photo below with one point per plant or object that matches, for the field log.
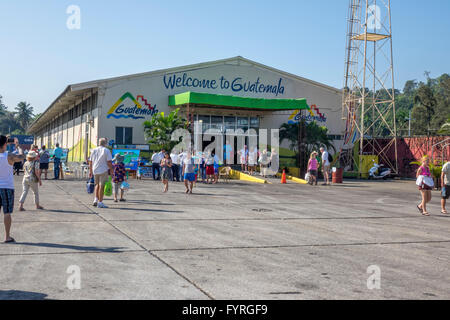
(283, 177)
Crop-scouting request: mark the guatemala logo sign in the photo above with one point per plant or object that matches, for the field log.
(128, 107)
(319, 117)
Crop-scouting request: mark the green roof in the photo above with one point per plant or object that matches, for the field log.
(236, 102)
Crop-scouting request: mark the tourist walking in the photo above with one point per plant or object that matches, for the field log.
(44, 160)
(325, 166)
(99, 164)
(426, 184)
(243, 157)
(189, 172)
(313, 166)
(118, 177)
(166, 170)
(57, 156)
(263, 163)
(209, 168)
(181, 157)
(31, 180)
(445, 184)
(7, 161)
(175, 166)
(252, 159)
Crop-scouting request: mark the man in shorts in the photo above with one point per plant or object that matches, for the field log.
(44, 159)
(445, 184)
(100, 167)
(7, 161)
(325, 167)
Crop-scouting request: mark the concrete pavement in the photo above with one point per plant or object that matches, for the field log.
(229, 241)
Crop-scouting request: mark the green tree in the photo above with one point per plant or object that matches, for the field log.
(315, 137)
(159, 129)
(24, 114)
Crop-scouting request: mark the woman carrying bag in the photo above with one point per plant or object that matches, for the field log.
(426, 184)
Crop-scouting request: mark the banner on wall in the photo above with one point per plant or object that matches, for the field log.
(131, 157)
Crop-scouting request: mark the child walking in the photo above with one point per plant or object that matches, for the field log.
(31, 180)
(119, 176)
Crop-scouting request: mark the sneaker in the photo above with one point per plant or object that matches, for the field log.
(101, 205)
(95, 203)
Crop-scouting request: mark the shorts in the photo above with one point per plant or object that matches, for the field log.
(101, 178)
(424, 187)
(7, 200)
(326, 168)
(43, 166)
(445, 195)
(189, 177)
(313, 172)
(210, 170)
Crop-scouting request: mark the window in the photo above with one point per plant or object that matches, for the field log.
(242, 123)
(230, 123)
(217, 123)
(124, 135)
(205, 121)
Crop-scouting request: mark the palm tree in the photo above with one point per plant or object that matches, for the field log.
(159, 129)
(24, 114)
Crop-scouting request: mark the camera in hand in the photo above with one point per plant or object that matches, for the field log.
(11, 140)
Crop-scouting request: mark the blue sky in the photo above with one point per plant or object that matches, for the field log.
(39, 56)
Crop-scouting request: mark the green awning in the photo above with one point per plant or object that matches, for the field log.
(236, 102)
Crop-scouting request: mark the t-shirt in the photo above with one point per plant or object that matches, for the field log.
(210, 161)
(58, 153)
(325, 158)
(29, 171)
(99, 158)
(45, 157)
(175, 158)
(446, 171)
(188, 165)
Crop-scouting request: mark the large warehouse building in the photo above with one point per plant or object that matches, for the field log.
(116, 108)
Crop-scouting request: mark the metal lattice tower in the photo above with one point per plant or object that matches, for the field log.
(368, 104)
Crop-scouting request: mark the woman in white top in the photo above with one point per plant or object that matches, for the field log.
(252, 159)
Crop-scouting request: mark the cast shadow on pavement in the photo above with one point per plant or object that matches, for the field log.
(147, 210)
(72, 247)
(21, 295)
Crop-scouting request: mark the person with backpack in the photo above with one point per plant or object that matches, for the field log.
(44, 160)
(31, 180)
(326, 166)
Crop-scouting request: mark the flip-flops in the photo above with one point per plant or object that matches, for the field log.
(420, 209)
(11, 240)
(444, 212)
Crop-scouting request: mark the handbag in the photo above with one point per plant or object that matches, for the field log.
(428, 181)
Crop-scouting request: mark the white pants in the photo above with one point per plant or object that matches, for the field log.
(26, 187)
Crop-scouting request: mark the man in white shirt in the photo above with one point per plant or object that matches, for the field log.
(325, 166)
(181, 157)
(175, 166)
(99, 164)
(445, 184)
(156, 164)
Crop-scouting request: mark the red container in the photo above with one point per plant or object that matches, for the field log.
(338, 175)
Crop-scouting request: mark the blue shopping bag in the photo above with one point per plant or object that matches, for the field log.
(125, 186)
(90, 185)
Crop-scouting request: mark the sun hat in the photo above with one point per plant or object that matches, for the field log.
(31, 154)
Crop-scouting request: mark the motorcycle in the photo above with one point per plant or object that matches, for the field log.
(383, 173)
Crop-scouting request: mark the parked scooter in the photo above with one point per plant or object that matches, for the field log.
(383, 173)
